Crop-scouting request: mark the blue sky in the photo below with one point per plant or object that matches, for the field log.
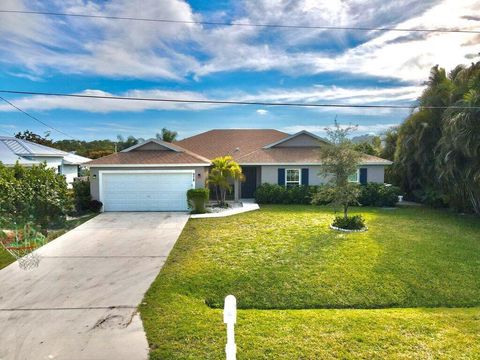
(191, 61)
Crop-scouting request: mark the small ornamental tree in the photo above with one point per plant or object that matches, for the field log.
(339, 161)
(223, 171)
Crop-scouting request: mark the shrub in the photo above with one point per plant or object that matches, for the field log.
(81, 190)
(277, 194)
(324, 195)
(35, 193)
(270, 194)
(373, 194)
(355, 222)
(95, 206)
(197, 199)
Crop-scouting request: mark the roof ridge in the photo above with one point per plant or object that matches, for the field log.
(200, 157)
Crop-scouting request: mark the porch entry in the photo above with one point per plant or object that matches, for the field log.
(250, 184)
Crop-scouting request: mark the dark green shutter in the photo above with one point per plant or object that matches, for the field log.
(281, 177)
(305, 177)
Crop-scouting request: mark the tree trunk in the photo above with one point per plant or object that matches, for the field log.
(216, 194)
(345, 211)
(224, 195)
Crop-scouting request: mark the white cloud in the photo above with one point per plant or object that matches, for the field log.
(105, 47)
(306, 95)
(160, 50)
(42, 102)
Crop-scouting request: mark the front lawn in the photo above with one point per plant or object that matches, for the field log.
(407, 288)
(6, 258)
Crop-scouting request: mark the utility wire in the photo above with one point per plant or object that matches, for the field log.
(232, 102)
(34, 118)
(218, 23)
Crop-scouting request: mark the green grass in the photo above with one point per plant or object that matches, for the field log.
(408, 288)
(7, 259)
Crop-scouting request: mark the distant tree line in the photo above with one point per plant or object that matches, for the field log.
(95, 148)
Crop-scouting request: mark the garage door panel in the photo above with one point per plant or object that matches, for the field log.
(146, 191)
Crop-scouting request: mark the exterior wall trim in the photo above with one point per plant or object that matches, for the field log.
(146, 171)
(146, 165)
(309, 164)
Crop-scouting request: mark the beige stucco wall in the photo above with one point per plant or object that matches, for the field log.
(269, 173)
(94, 178)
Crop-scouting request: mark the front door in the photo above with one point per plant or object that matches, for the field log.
(250, 183)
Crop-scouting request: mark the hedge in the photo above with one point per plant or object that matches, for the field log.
(277, 194)
(371, 194)
(35, 193)
(81, 191)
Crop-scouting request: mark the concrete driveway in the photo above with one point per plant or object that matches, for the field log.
(81, 302)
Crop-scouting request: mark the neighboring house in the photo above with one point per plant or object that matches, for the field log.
(155, 175)
(27, 153)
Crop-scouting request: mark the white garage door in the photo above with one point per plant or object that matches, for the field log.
(146, 191)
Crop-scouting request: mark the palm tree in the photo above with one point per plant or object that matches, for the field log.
(437, 156)
(167, 135)
(459, 151)
(223, 171)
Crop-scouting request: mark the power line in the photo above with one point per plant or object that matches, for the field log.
(218, 23)
(34, 118)
(230, 102)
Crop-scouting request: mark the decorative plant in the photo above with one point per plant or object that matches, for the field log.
(339, 160)
(197, 198)
(224, 170)
(95, 206)
(350, 223)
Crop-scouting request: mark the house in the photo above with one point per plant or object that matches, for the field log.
(155, 175)
(27, 153)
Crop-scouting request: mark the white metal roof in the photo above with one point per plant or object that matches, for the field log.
(25, 152)
(73, 159)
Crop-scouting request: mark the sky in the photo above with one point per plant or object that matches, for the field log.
(43, 53)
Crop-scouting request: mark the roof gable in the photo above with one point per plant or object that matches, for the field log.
(300, 139)
(153, 144)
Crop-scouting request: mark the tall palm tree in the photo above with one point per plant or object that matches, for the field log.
(437, 153)
(459, 151)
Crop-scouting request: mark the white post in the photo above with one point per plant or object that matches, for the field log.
(236, 191)
(230, 318)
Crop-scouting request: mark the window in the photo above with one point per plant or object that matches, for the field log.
(353, 177)
(292, 177)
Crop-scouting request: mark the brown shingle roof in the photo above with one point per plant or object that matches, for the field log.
(221, 142)
(296, 155)
(150, 157)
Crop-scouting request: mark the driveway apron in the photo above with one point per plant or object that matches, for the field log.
(81, 302)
